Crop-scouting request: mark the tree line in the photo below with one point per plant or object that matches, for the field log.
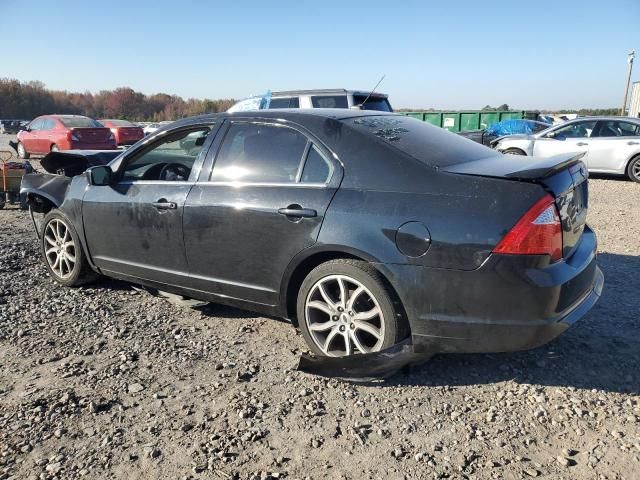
(27, 100)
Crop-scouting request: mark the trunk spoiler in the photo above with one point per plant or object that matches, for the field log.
(515, 167)
(73, 162)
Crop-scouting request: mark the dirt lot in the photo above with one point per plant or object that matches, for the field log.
(106, 382)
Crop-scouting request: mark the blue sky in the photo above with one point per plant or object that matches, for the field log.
(442, 54)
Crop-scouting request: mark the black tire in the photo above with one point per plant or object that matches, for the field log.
(80, 273)
(513, 151)
(633, 169)
(22, 152)
(364, 274)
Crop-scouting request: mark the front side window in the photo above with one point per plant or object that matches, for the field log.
(36, 124)
(169, 159)
(292, 102)
(329, 101)
(575, 130)
(617, 128)
(259, 153)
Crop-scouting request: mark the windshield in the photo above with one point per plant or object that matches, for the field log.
(427, 143)
(380, 104)
(80, 122)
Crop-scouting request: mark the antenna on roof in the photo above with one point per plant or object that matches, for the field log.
(370, 93)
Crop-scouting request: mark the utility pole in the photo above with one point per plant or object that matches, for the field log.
(630, 58)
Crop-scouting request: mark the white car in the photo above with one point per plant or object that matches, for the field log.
(152, 127)
(610, 144)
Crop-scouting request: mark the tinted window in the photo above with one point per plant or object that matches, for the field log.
(80, 122)
(36, 124)
(330, 101)
(259, 153)
(373, 103)
(425, 142)
(575, 130)
(292, 102)
(48, 124)
(616, 128)
(171, 158)
(316, 169)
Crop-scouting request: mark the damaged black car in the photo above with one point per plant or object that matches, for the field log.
(364, 229)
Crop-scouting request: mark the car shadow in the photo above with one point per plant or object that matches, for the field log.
(601, 351)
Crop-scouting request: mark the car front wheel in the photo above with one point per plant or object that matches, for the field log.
(62, 252)
(22, 152)
(633, 169)
(344, 308)
(513, 151)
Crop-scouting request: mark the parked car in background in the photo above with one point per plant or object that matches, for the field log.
(363, 228)
(63, 132)
(125, 132)
(154, 127)
(322, 98)
(506, 127)
(610, 145)
(10, 127)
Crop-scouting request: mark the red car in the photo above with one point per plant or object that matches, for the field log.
(126, 133)
(50, 133)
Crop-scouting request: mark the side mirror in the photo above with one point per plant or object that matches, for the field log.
(100, 176)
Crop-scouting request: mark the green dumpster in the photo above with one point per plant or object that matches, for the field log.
(460, 121)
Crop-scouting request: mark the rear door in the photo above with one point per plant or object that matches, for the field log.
(30, 138)
(569, 138)
(134, 226)
(262, 202)
(615, 141)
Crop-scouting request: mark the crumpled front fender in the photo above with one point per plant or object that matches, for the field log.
(46, 186)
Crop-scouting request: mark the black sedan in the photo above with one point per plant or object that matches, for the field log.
(362, 228)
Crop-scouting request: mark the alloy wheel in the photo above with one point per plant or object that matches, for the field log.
(635, 170)
(344, 317)
(60, 250)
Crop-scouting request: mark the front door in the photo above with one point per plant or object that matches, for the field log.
(134, 226)
(263, 202)
(573, 137)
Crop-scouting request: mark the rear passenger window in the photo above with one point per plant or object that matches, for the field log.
(292, 102)
(316, 169)
(329, 101)
(614, 128)
(260, 154)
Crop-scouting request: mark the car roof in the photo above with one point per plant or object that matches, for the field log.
(327, 91)
(288, 113)
(608, 117)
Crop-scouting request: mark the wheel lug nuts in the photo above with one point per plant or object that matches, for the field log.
(340, 309)
(342, 328)
(352, 326)
(350, 313)
(335, 317)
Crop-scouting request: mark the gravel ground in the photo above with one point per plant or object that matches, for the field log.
(107, 382)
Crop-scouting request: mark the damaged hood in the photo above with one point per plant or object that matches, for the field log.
(73, 162)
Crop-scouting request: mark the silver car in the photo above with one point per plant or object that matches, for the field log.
(611, 144)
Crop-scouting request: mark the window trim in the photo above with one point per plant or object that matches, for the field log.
(303, 158)
(156, 139)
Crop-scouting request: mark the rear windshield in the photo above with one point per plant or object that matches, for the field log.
(120, 123)
(80, 122)
(427, 143)
(380, 104)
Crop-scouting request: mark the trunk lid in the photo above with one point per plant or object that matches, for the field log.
(564, 176)
(91, 135)
(130, 132)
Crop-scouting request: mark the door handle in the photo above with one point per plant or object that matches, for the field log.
(162, 204)
(582, 144)
(298, 212)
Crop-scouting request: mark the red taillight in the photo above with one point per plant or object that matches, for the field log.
(537, 233)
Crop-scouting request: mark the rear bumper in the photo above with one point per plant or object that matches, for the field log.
(510, 303)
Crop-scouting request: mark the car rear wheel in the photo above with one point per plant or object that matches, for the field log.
(633, 169)
(62, 252)
(513, 151)
(54, 148)
(22, 152)
(344, 308)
